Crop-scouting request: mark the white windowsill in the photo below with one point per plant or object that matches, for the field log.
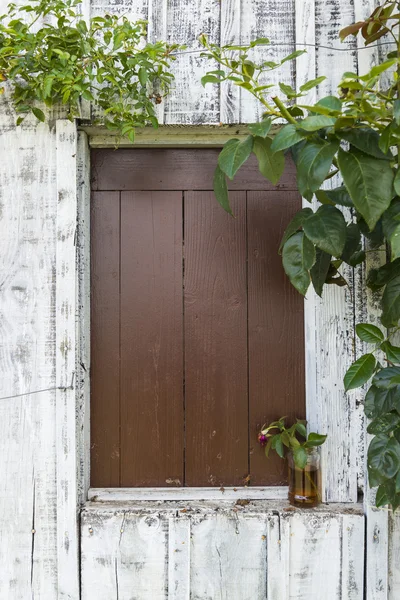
(176, 494)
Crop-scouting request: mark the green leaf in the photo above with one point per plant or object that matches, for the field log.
(313, 164)
(327, 230)
(210, 79)
(221, 190)
(315, 439)
(271, 164)
(359, 372)
(378, 278)
(261, 129)
(301, 429)
(392, 352)
(315, 123)
(352, 246)
(380, 68)
(260, 42)
(391, 227)
(384, 423)
(300, 457)
(277, 445)
(366, 140)
(369, 333)
(39, 114)
(319, 271)
(338, 196)
(298, 257)
(234, 154)
(383, 379)
(143, 77)
(312, 84)
(381, 498)
(295, 224)
(331, 102)
(396, 182)
(384, 455)
(287, 137)
(391, 303)
(369, 182)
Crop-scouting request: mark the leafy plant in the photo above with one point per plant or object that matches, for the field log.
(355, 136)
(51, 56)
(294, 438)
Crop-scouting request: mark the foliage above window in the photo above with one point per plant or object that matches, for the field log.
(50, 55)
(355, 136)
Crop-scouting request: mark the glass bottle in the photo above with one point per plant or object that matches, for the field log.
(305, 484)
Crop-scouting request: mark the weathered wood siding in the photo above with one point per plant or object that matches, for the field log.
(221, 551)
(39, 490)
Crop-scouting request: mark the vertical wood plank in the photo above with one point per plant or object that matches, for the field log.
(215, 341)
(278, 557)
(66, 295)
(275, 329)
(353, 532)
(229, 557)
(105, 339)
(394, 556)
(179, 533)
(151, 339)
(190, 103)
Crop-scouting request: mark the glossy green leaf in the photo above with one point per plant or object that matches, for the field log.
(327, 230)
(221, 190)
(392, 352)
(287, 137)
(271, 164)
(315, 439)
(391, 303)
(378, 278)
(210, 79)
(295, 224)
(298, 257)
(359, 372)
(384, 423)
(39, 114)
(330, 102)
(261, 129)
(369, 182)
(319, 271)
(312, 84)
(338, 196)
(313, 164)
(314, 123)
(391, 227)
(384, 455)
(234, 154)
(301, 429)
(366, 140)
(352, 247)
(381, 498)
(300, 457)
(383, 378)
(396, 182)
(369, 333)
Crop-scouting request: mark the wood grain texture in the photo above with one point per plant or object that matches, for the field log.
(275, 329)
(152, 418)
(27, 359)
(218, 550)
(215, 341)
(174, 169)
(66, 344)
(105, 338)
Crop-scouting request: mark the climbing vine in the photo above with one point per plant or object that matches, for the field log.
(52, 57)
(354, 135)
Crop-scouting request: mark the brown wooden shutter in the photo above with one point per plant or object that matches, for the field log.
(197, 335)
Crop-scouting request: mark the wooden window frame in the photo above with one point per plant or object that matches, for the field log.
(73, 335)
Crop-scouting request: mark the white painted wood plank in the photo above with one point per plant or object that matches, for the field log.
(275, 20)
(27, 423)
(315, 558)
(66, 296)
(83, 323)
(305, 38)
(230, 34)
(394, 556)
(189, 102)
(278, 555)
(124, 556)
(157, 31)
(179, 558)
(228, 557)
(353, 531)
(225, 494)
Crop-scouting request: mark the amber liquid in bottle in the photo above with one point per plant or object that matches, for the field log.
(304, 486)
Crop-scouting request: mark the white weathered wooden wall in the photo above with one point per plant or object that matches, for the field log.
(132, 552)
